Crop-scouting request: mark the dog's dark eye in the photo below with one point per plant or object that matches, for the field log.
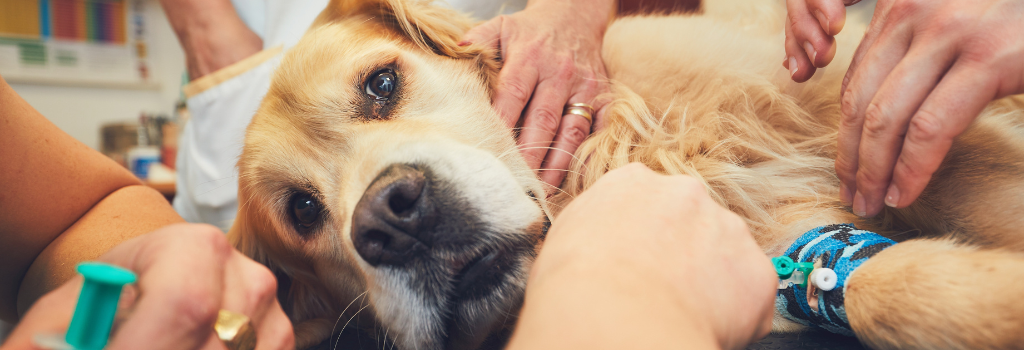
(306, 210)
(381, 84)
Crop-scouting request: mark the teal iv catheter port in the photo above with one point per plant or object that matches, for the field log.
(95, 310)
(791, 273)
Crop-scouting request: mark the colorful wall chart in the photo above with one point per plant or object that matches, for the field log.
(72, 40)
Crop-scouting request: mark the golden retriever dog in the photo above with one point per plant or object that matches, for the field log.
(388, 197)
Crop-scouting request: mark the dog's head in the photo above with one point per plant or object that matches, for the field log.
(376, 177)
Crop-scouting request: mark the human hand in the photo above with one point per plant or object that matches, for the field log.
(921, 75)
(211, 33)
(187, 273)
(552, 58)
(654, 250)
(811, 26)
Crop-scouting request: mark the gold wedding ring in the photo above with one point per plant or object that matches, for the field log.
(581, 109)
(235, 330)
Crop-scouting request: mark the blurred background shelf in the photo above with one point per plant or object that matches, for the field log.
(150, 86)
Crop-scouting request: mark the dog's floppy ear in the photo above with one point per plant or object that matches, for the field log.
(243, 233)
(435, 28)
(246, 235)
(253, 234)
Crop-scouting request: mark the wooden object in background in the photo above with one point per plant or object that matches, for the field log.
(634, 7)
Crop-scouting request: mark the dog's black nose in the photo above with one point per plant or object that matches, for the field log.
(389, 220)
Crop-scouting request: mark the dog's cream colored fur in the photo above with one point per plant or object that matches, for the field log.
(700, 95)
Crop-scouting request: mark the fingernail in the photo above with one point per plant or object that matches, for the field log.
(858, 205)
(844, 194)
(464, 43)
(792, 66)
(892, 197)
(810, 51)
(822, 19)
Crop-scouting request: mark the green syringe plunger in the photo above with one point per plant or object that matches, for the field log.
(97, 305)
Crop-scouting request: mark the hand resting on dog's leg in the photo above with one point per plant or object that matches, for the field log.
(643, 260)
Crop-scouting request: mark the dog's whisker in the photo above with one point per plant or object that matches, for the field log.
(485, 140)
(552, 148)
(520, 148)
(520, 128)
(534, 142)
(507, 152)
(508, 314)
(559, 190)
(565, 170)
(549, 203)
(347, 322)
(342, 314)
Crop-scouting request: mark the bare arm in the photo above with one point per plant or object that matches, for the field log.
(61, 203)
(52, 185)
(211, 33)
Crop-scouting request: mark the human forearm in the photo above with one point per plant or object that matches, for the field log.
(211, 33)
(128, 212)
(48, 181)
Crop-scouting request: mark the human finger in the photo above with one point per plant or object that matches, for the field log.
(947, 112)
(487, 34)
(809, 34)
(595, 90)
(251, 289)
(878, 21)
(181, 280)
(796, 61)
(831, 15)
(544, 113)
(516, 81)
(601, 115)
(882, 58)
(573, 129)
(886, 120)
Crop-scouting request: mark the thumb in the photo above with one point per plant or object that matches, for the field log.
(487, 34)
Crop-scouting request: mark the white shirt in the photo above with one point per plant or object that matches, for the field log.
(207, 184)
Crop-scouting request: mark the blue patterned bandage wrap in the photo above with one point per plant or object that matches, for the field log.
(841, 248)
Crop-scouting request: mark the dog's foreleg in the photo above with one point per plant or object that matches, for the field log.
(936, 294)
